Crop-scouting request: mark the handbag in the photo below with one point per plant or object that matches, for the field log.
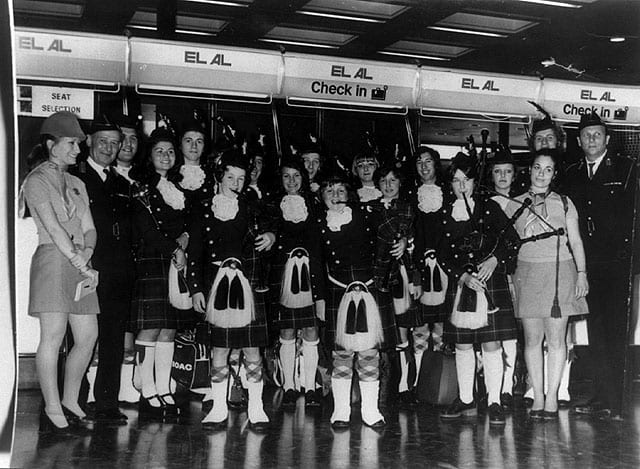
(179, 295)
(437, 382)
(190, 365)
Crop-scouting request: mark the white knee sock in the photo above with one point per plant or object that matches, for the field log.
(288, 360)
(466, 371)
(404, 367)
(510, 348)
(563, 390)
(310, 353)
(164, 357)
(145, 364)
(493, 370)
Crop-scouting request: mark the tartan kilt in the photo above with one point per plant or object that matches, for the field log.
(419, 315)
(387, 316)
(502, 324)
(253, 335)
(280, 316)
(150, 307)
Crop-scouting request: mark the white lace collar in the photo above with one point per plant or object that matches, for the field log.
(336, 219)
(369, 193)
(294, 208)
(193, 177)
(172, 196)
(429, 198)
(460, 212)
(224, 208)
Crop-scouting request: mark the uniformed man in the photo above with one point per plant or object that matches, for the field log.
(110, 206)
(129, 148)
(602, 188)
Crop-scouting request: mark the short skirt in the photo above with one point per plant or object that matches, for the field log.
(53, 281)
(535, 289)
(502, 324)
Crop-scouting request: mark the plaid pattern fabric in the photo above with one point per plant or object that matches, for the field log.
(253, 335)
(368, 365)
(289, 318)
(342, 364)
(393, 223)
(383, 300)
(219, 375)
(150, 308)
(502, 325)
(254, 371)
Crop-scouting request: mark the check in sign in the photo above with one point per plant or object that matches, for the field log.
(47, 100)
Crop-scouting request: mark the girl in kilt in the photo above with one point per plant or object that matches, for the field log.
(430, 315)
(395, 272)
(295, 261)
(359, 317)
(160, 237)
(477, 237)
(224, 264)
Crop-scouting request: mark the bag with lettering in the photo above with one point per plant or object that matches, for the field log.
(190, 366)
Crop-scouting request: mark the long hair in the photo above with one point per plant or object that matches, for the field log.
(421, 150)
(294, 163)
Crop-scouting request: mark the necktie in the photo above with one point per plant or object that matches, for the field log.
(107, 172)
(591, 165)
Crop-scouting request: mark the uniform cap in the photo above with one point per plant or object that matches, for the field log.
(587, 120)
(62, 124)
(103, 124)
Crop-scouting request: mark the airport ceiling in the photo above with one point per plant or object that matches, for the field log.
(586, 40)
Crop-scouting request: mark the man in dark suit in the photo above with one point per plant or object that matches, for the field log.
(602, 188)
(110, 207)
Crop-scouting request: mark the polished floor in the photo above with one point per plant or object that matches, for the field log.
(304, 438)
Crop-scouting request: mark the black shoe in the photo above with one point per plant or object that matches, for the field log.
(506, 400)
(111, 416)
(459, 409)
(536, 414)
(550, 415)
(407, 400)
(290, 398)
(47, 426)
(564, 404)
(73, 418)
(146, 410)
(311, 399)
(259, 427)
(380, 424)
(589, 408)
(340, 425)
(215, 426)
(207, 406)
(170, 410)
(496, 414)
(609, 415)
(527, 401)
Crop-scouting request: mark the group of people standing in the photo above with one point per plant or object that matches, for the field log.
(385, 258)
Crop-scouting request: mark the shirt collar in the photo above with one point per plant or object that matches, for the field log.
(97, 168)
(597, 162)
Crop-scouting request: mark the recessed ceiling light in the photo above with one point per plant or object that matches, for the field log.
(196, 33)
(415, 56)
(299, 43)
(552, 3)
(221, 3)
(617, 39)
(340, 17)
(466, 31)
(139, 26)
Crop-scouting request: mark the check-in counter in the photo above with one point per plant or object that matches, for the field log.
(67, 57)
(338, 83)
(568, 101)
(464, 92)
(161, 67)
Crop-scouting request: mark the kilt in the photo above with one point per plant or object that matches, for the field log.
(53, 282)
(150, 307)
(419, 315)
(502, 325)
(282, 317)
(254, 334)
(385, 306)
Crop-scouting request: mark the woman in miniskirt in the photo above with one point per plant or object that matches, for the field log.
(61, 264)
